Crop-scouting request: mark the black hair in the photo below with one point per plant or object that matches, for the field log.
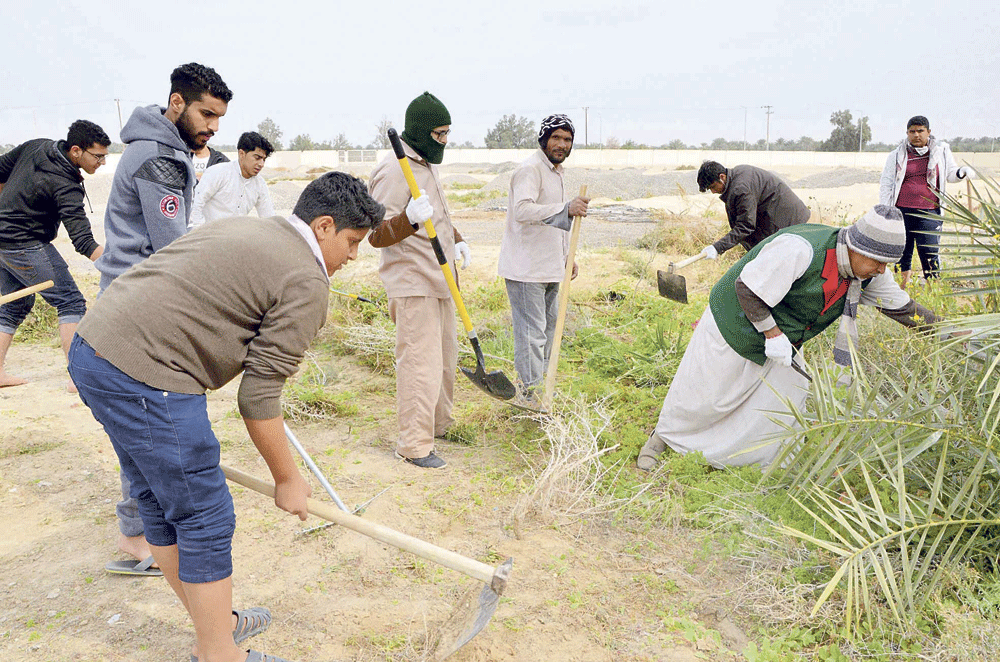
(83, 134)
(709, 173)
(343, 197)
(918, 120)
(193, 80)
(252, 140)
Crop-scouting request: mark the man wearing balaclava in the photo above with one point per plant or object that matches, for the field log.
(534, 250)
(420, 302)
(914, 176)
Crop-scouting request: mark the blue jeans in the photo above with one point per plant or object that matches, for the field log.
(168, 452)
(917, 229)
(24, 267)
(534, 308)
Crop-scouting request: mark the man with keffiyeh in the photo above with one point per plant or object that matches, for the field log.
(786, 290)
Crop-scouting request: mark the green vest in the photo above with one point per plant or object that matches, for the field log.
(814, 301)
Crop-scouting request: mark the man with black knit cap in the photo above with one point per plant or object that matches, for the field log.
(738, 367)
(534, 249)
(419, 299)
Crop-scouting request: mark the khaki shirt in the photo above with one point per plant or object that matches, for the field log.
(410, 268)
(535, 240)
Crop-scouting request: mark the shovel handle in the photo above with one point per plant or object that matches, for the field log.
(28, 291)
(686, 261)
(404, 163)
(425, 550)
(550, 376)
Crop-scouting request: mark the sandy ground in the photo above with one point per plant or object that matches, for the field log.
(589, 592)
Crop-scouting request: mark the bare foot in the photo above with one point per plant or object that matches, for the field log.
(136, 547)
(10, 380)
(904, 279)
(70, 387)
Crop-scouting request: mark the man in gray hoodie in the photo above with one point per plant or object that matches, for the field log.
(153, 187)
(150, 202)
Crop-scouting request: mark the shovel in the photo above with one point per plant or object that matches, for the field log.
(494, 382)
(28, 291)
(672, 285)
(469, 617)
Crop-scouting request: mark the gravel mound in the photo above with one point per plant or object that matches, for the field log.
(285, 194)
(450, 180)
(624, 184)
(838, 177)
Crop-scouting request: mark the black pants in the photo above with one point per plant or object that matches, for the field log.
(919, 233)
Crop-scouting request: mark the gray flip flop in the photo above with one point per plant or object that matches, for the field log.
(249, 623)
(134, 568)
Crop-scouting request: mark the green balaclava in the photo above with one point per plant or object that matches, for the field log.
(425, 113)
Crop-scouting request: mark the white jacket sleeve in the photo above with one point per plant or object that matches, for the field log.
(888, 181)
(950, 167)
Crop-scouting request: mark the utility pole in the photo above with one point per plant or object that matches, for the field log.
(769, 113)
(118, 102)
(744, 127)
(586, 135)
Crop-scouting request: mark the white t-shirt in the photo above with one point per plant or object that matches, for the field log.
(223, 191)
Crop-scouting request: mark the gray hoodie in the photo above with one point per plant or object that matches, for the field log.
(151, 194)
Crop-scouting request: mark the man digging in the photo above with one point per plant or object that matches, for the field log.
(785, 291)
(758, 204)
(168, 330)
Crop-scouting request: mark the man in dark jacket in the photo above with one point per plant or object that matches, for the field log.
(758, 204)
(41, 186)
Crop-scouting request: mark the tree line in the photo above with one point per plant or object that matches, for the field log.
(513, 132)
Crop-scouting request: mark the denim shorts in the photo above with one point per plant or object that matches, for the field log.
(169, 453)
(24, 267)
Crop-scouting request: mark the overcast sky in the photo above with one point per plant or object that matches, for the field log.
(650, 72)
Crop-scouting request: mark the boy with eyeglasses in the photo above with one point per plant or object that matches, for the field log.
(41, 187)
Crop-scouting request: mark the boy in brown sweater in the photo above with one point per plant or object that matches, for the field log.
(214, 303)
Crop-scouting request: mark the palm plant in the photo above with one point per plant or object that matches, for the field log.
(900, 472)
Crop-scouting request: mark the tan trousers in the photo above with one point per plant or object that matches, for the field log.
(426, 363)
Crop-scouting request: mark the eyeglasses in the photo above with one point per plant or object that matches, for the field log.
(101, 158)
(440, 135)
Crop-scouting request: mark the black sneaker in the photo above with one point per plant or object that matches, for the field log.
(429, 461)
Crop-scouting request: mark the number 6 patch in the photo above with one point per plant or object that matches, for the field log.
(169, 206)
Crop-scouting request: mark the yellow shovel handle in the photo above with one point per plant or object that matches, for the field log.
(404, 163)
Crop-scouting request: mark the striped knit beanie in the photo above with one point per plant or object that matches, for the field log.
(879, 234)
(550, 124)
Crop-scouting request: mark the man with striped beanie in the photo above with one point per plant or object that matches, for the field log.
(534, 249)
(740, 365)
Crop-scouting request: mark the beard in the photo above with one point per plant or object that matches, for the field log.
(189, 134)
(556, 160)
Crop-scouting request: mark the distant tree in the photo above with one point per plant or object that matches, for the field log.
(512, 132)
(269, 129)
(631, 144)
(301, 143)
(466, 145)
(844, 137)
(341, 142)
(807, 144)
(7, 147)
(676, 143)
(612, 143)
(381, 140)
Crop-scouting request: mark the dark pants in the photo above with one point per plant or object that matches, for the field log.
(167, 450)
(918, 229)
(24, 267)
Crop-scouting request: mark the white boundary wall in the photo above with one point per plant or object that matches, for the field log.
(611, 158)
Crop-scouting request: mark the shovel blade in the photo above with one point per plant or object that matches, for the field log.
(672, 286)
(494, 383)
(471, 615)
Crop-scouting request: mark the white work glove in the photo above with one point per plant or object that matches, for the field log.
(418, 210)
(710, 252)
(462, 251)
(965, 171)
(779, 349)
